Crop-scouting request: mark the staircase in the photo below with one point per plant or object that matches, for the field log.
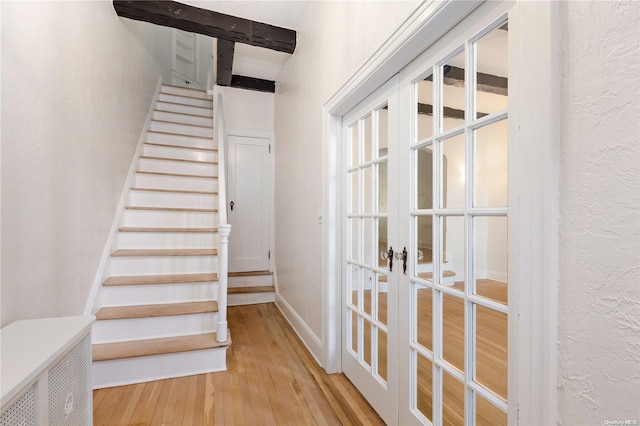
(159, 314)
(247, 288)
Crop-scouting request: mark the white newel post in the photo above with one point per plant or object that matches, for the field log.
(223, 267)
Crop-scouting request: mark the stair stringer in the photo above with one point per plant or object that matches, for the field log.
(94, 301)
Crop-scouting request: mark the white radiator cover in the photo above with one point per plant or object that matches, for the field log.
(46, 372)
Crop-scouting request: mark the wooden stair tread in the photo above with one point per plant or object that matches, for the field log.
(184, 96)
(190, 106)
(185, 88)
(181, 160)
(167, 345)
(255, 289)
(249, 274)
(164, 252)
(181, 124)
(179, 113)
(180, 146)
(141, 229)
(180, 134)
(171, 209)
(160, 279)
(174, 191)
(176, 175)
(161, 310)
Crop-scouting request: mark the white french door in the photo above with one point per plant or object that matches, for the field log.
(370, 316)
(434, 190)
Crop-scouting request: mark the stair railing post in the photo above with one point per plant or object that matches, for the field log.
(223, 232)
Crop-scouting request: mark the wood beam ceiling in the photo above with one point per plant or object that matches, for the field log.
(489, 83)
(210, 23)
(225, 62)
(251, 83)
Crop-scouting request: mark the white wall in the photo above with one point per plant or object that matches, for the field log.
(158, 41)
(249, 109)
(334, 39)
(76, 87)
(599, 322)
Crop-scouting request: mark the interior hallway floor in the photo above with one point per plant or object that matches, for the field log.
(271, 379)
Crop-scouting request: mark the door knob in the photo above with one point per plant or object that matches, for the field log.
(231, 205)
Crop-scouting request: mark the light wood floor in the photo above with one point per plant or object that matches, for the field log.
(271, 380)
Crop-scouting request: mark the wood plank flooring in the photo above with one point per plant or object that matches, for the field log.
(271, 380)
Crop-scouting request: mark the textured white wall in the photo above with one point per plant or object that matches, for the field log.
(76, 87)
(599, 311)
(334, 39)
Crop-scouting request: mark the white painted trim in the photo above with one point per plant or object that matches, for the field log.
(429, 21)
(535, 129)
(94, 299)
(309, 339)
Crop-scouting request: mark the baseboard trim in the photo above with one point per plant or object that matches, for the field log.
(308, 337)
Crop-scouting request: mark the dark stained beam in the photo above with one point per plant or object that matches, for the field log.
(458, 114)
(225, 62)
(251, 83)
(213, 24)
(454, 76)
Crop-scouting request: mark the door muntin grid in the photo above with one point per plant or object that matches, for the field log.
(453, 315)
(367, 236)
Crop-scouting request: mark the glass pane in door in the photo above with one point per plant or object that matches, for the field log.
(453, 92)
(424, 386)
(424, 107)
(452, 173)
(492, 71)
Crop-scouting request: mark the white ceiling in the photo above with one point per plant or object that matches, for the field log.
(254, 61)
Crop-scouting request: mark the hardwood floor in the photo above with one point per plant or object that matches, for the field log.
(271, 380)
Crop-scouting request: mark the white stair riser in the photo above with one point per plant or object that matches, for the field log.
(250, 298)
(143, 180)
(156, 265)
(164, 97)
(181, 167)
(173, 117)
(167, 240)
(120, 330)
(181, 129)
(180, 153)
(150, 294)
(257, 281)
(172, 199)
(181, 91)
(169, 219)
(148, 368)
(184, 109)
(188, 141)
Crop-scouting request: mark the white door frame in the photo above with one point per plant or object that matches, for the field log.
(534, 89)
(262, 134)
